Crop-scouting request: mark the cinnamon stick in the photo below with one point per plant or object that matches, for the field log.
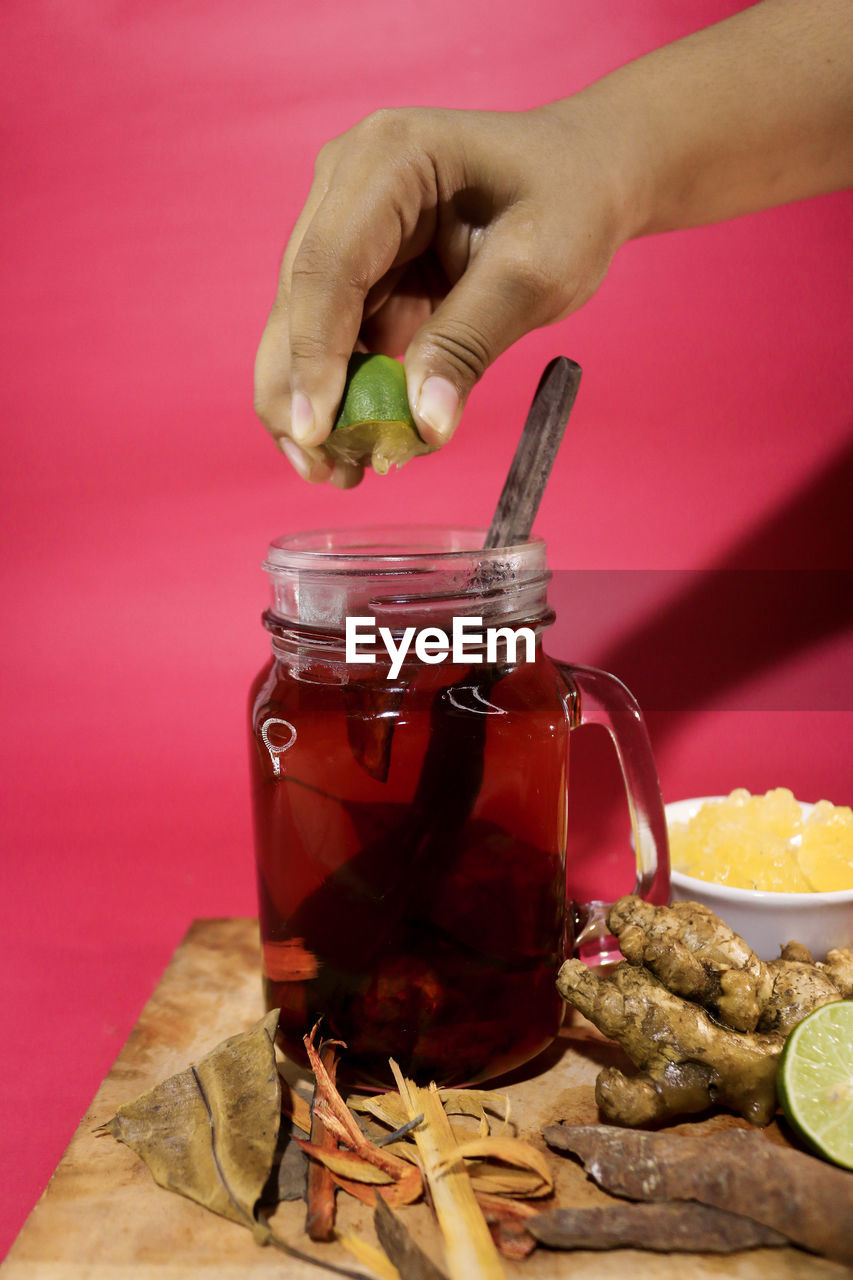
(320, 1194)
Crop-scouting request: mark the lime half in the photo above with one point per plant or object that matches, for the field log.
(374, 423)
(815, 1081)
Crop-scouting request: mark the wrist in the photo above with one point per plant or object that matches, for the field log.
(614, 136)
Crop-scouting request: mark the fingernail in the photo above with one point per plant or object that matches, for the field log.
(345, 476)
(298, 458)
(438, 407)
(301, 417)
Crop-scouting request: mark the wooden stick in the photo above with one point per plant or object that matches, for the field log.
(534, 457)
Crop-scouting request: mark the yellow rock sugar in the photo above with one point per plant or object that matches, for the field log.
(763, 842)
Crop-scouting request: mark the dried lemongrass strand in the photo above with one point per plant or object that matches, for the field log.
(398, 1194)
(469, 1248)
(369, 1255)
(348, 1164)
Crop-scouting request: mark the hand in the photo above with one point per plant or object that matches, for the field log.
(446, 235)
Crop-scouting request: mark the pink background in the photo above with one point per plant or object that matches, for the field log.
(155, 156)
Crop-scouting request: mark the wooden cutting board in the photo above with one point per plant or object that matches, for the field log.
(102, 1217)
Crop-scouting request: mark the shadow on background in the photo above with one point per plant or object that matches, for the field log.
(783, 589)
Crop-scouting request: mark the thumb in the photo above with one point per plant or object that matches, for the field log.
(496, 301)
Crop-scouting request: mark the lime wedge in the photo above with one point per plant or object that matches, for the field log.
(374, 423)
(815, 1081)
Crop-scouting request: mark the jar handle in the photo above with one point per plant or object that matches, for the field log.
(595, 697)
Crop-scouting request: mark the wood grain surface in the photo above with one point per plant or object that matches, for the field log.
(102, 1217)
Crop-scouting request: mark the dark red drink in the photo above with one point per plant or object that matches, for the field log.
(410, 817)
(421, 916)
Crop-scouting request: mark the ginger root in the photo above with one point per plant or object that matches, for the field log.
(699, 957)
(679, 959)
(687, 1061)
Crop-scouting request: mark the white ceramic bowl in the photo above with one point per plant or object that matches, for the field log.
(767, 921)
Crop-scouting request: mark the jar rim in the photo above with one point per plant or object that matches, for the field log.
(392, 545)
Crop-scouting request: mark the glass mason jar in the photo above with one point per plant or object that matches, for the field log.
(410, 814)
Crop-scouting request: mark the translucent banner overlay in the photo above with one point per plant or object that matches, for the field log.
(762, 640)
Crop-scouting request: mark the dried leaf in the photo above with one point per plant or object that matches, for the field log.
(806, 1199)
(408, 1258)
(469, 1248)
(526, 1174)
(295, 1107)
(210, 1132)
(685, 1227)
(475, 1103)
(406, 1190)
(347, 1164)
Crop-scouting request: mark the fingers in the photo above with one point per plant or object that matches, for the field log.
(361, 224)
(505, 292)
(341, 257)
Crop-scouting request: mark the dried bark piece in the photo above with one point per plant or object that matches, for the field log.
(289, 1177)
(372, 712)
(406, 1181)
(320, 1190)
(685, 1227)
(507, 1221)
(804, 1198)
(406, 1255)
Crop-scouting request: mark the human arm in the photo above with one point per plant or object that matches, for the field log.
(447, 235)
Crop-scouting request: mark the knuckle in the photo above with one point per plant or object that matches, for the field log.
(391, 128)
(324, 262)
(529, 277)
(464, 347)
(307, 347)
(327, 156)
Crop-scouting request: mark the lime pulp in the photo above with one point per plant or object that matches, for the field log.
(815, 1081)
(374, 423)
